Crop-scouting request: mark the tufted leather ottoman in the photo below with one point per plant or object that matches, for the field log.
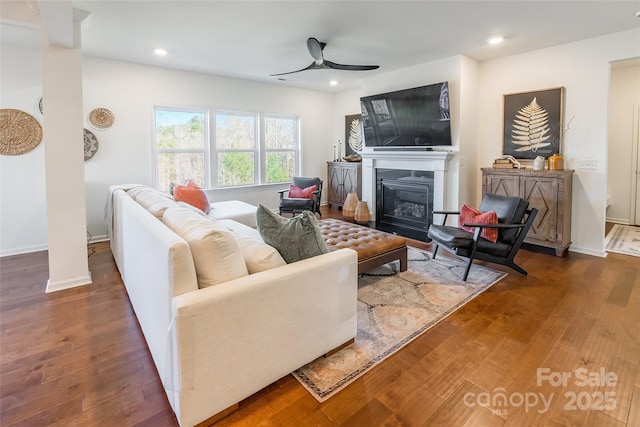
(374, 247)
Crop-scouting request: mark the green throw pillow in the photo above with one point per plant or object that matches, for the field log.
(295, 238)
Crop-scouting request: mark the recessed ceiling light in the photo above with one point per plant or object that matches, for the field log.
(160, 52)
(333, 82)
(495, 40)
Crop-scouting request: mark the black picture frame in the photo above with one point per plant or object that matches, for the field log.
(533, 123)
(351, 141)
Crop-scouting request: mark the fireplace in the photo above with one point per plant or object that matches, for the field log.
(404, 202)
(393, 165)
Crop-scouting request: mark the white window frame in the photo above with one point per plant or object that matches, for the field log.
(264, 150)
(257, 159)
(205, 150)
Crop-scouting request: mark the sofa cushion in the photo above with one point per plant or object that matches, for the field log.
(134, 191)
(195, 196)
(147, 196)
(295, 238)
(152, 200)
(257, 254)
(157, 209)
(216, 253)
(192, 208)
(236, 210)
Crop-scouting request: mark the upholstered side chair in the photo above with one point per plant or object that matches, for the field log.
(294, 205)
(514, 221)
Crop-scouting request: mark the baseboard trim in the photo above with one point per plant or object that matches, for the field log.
(600, 254)
(24, 250)
(40, 248)
(68, 284)
(621, 221)
(102, 238)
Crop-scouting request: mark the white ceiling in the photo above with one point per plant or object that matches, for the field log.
(252, 39)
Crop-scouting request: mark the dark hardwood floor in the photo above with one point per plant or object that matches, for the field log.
(78, 357)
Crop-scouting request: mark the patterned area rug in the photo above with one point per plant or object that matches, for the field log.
(394, 309)
(623, 239)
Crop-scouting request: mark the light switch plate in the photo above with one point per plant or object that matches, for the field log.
(588, 164)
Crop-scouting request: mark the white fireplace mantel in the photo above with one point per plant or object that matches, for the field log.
(435, 161)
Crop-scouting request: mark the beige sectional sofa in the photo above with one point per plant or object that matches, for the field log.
(251, 325)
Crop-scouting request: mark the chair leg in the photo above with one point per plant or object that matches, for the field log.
(466, 272)
(435, 251)
(517, 268)
(476, 235)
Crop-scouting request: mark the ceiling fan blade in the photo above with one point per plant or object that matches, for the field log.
(315, 49)
(350, 67)
(312, 66)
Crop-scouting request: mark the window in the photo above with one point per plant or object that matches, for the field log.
(281, 148)
(236, 149)
(242, 148)
(180, 146)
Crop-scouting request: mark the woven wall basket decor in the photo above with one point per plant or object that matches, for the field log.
(101, 118)
(90, 144)
(20, 132)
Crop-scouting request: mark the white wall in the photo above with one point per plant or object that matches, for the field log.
(624, 96)
(23, 207)
(344, 104)
(130, 91)
(469, 168)
(583, 69)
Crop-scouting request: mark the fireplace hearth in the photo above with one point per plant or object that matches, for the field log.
(404, 202)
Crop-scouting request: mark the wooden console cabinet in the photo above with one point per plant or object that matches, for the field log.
(343, 178)
(547, 190)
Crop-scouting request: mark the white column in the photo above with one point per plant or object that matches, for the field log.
(64, 152)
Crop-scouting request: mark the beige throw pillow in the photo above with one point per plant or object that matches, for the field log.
(257, 254)
(216, 253)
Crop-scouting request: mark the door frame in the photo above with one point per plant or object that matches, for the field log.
(635, 169)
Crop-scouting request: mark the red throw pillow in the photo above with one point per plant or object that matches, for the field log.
(469, 215)
(194, 196)
(302, 193)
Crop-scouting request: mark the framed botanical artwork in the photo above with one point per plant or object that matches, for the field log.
(353, 139)
(533, 123)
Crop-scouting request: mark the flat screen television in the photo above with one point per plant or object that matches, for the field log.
(416, 117)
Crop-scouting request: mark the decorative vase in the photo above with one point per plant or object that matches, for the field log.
(556, 162)
(361, 215)
(349, 206)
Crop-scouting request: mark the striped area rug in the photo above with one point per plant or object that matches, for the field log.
(623, 239)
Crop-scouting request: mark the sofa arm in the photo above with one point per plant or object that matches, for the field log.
(235, 338)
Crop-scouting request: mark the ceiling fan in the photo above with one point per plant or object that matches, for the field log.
(315, 49)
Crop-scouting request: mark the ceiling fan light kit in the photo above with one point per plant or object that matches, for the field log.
(316, 49)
